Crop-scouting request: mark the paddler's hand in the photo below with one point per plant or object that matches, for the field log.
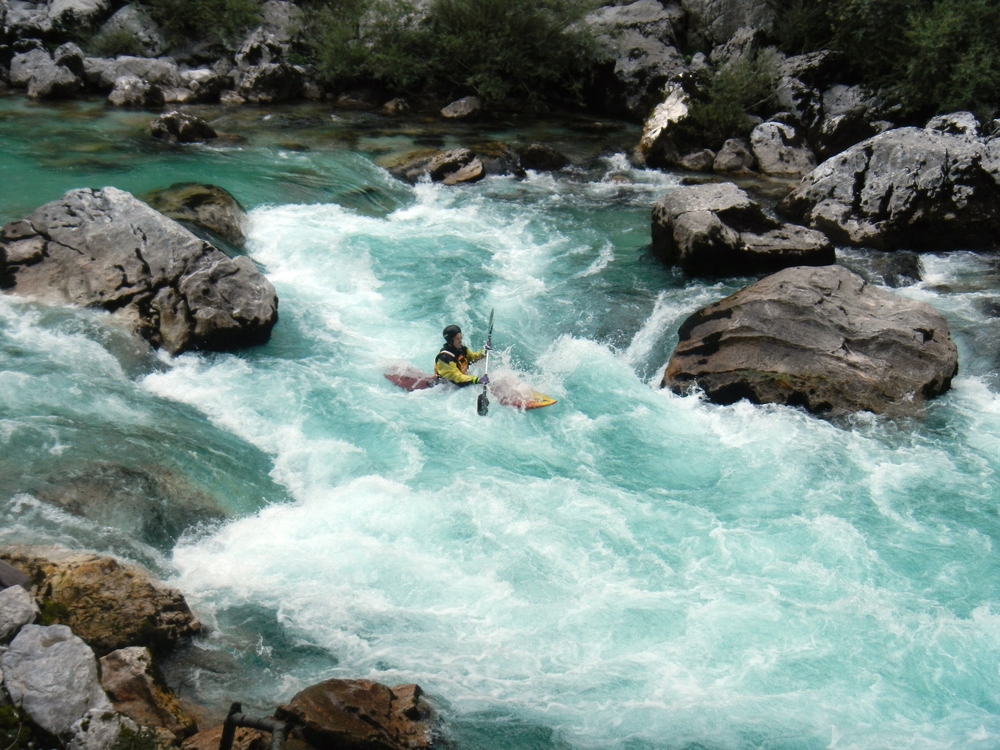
(487, 346)
(484, 380)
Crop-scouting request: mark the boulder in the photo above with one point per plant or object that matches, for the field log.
(281, 19)
(181, 127)
(131, 91)
(734, 158)
(17, 609)
(130, 681)
(244, 739)
(26, 64)
(70, 17)
(466, 108)
(209, 207)
(744, 44)
(99, 729)
(11, 576)
(905, 188)
(716, 230)
(133, 20)
(70, 56)
(804, 102)
(636, 46)
(657, 146)
(698, 161)
(361, 713)
(817, 338)
(103, 74)
(714, 22)
(52, 675)
(471, 172)
(456, 165)
(397, 106)
(206, 84)
(104, 248)
(262, 74)
(956, 123)
(28, 21)
(781, 150)
(542, 158)
(108, 604)
(839, 132)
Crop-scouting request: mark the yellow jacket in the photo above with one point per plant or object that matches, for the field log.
(453, 365)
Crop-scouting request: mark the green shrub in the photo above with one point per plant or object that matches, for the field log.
(143, 739)
(205, 20)
(114, 42)
(497, 49)
(719, 109)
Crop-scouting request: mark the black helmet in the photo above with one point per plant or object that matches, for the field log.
(450, 332)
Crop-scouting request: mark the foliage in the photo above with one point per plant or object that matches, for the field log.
(114, 42)
(497, 49)
(143, 739)
(53, 613)
(209, 20)
(17, 733)
(742, 86)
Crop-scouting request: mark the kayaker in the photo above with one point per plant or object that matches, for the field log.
(452, 362)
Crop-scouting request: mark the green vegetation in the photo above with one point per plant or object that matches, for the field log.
(927, 56)
(209, 20)
(113, 43)
(720, 107)
(53, 613)
(144, 739)
(500, 50)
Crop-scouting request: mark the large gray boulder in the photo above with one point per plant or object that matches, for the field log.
(69, 17)
(714, 22)
(781, 150)
(133, 20)
(466, 108)
(104, 248)
(43, 78)
(181, 127)
(99, 729)
(637, 41)
(208, 207)
(905, 188)
(817, 338)
(716, 230)
(281, 19)
(17, 609)
(135, 92)
(52, 675)
(262, 74)
(103, 73)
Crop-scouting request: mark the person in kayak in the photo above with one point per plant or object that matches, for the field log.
(452, 362)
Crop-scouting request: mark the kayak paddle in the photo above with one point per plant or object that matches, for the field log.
(483, 404)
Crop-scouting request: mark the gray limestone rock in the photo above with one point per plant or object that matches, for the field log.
(905, 188)
(52, 675)
(43, 78)
(465, 108)
(714, 22)
(818, 338)
(104, 248)
(132, 91)
(73, 16)
(781, 150)
(281, 19)
(698, 161)
(956, 123)
(262, 74)
(716, 230)
(99, 729)
(181, 127)
(25, 65)
(17, 609)
(658, 146)
(104, 74)
(734, 158)
(134, 20)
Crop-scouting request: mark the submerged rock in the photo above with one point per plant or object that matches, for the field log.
(361, 713)
(210, 207)
(716, 230)
(108, 604)
(905, 188)
(104, 248)
(52, 675)
(181, 127)
(819, 338)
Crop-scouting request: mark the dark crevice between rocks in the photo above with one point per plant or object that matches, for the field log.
(695, 320)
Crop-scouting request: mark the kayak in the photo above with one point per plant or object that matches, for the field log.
(514, 395)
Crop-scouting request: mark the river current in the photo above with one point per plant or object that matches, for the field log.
(626, 569)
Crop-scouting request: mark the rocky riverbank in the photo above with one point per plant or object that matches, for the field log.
(81, 641)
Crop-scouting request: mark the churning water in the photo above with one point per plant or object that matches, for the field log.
(626, 569)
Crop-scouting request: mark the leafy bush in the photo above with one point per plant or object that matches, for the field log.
(497, 49)
(207, 20)
(114, 42)
(718, 109)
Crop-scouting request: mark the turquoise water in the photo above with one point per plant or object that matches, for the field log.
(626, 569)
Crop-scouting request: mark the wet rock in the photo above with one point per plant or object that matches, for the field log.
(698, 161)
(734, 158)
(130, 91)
(657, 146)
(781, 150)
(130, 681)
(818, 338)
(637, 43)
(716, 230)
(210, 207)
(905, 188)
(956, 123)
(105, 248)
(108, 604)
(133, 20)
(542, 158)
(11, 576)
(448, 162)
(361, 713)
(52, 675)
(466, 108)
(394, 107)
(99, 729)
(181, 127)
(456, 165)
(471, 172)
(17, 609)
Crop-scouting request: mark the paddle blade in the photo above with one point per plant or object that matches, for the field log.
(483, 405)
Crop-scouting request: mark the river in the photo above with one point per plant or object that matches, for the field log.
(625, 569)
